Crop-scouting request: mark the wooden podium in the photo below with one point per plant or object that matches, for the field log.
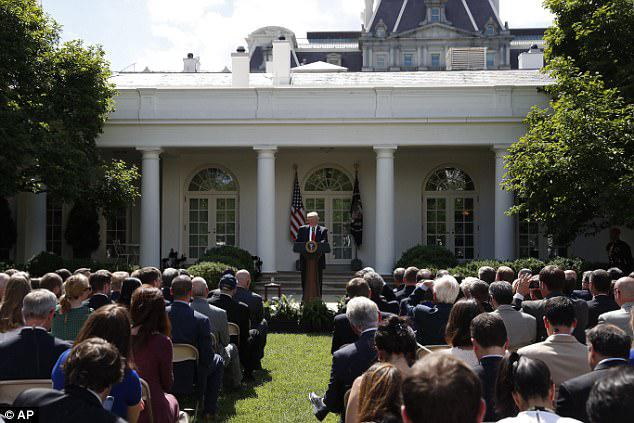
(311, 252)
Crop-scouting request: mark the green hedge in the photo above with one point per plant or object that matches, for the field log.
(316, 317)
(210, 271)
(44, 263)
(427, 256)
(471, 268)
(233, 256)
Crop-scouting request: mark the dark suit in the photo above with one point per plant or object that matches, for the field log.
(385, 306)
(582, 294)
(114, 296)
(303, 235)
(430, 322)
(487, 371)
(388, 293)
(97, 300)
(348, 363)
(597, 306)
(342, 333)
(193, 328)
(74, 404)
(256, 312)
(574, 393)
(29, 353)
(405, 292)
(536, 309)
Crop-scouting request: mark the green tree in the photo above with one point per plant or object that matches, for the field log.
(597, 35)
(54, 101)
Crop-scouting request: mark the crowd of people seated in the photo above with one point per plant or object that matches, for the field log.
(100, 337)
(506, 346)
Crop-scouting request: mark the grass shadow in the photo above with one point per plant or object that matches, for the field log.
(229, 397)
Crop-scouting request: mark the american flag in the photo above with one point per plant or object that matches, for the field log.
(297, 218)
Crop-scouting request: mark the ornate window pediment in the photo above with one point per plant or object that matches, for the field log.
(381, 29)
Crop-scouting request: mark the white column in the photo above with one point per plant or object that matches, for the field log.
(34, 224)
(265, 212)
(150, 248)
(384, 240)
(504, 225)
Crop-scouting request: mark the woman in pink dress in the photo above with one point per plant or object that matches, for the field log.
(152, 351)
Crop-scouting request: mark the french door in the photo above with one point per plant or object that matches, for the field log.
(449, 220)
(334, 212)
(211, 221)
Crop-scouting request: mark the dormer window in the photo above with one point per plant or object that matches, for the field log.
(489, 30)
(381, 29)
(434, 14)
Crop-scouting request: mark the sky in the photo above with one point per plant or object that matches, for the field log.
(159, 33)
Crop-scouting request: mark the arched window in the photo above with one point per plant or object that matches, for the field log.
(328, 179)
(212, 179)
(489, 29)
(449, 179)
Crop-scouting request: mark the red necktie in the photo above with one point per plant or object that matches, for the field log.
(312, 234)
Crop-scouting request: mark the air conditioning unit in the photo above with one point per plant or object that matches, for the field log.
(468, 58)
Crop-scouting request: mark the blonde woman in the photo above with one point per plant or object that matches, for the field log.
(11, 308)
(71, 314)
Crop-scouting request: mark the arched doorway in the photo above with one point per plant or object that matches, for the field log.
(328, 191)
(211, 211)
(449, 212)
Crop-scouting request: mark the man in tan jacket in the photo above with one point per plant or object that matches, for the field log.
(563, 354)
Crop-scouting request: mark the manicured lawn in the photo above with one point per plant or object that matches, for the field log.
(294, 365)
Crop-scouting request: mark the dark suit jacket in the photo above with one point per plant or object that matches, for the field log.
(536, 309)
(237, 313)
(388, 293)
(348, 363)
(487, 371)
(321, 236)
(574, 393)
(29, 353)
(254, 302)
(97, 300)
(74, 404)
(342, 333)
(193, 328)
(582, 294)
(385, 306)
(114, 296)
(430, 322)
(405, 292)
(597, 306)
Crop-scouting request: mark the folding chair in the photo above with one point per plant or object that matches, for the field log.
(182, 354)
(234, 330)
(10, 389)
(146, 396)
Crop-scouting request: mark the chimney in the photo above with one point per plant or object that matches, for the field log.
(191, 63)
(281, 61)
(240, 68)
(532, 59)
(367, 13)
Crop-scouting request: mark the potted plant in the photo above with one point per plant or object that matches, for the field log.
(282, 314)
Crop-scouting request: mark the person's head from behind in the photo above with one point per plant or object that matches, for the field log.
(479, 291)
(38, 308)
(551, 279)
(199, 288)
(148, 315)
(127, 289)
(82, 271)
(611, 399)
(607, 341)
(11, 308)
(501, 293)
(559, 316)
(465, 286)
(64, 274)
(357, 287)
(446, 290)
(524, 273)
(380, 393)
(228, 285)
(94, 364)
(100, 282)
(52, 282)
(488, 335)
(395, 340)
(505, 273)
(615, 273)
(375, 282)
(624, 290)
(169, 274)
(243, 277)
(182, 288)
(458, 329)
(571, 282)
(585, 280)
(149, 276)
(442, 389)
(424, 275)
(116, 282)
(398, 275)
(409, 275)
(487, 274)
(111, 323)
(362, 313)
(522, 383)
(76, 289)
(600, 282)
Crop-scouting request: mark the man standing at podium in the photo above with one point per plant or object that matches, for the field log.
(316, 233)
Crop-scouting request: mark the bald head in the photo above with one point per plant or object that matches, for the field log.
(199, 288)
(244, 278)
(624, 290)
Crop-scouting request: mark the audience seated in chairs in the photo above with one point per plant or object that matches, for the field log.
(612, 398)
(396, 345)
(116, 283)
(256, 309)
(441, 388)
(148, 276)
(397, 276)
(376, 284)
(110, 323)
(11, 308)
(152, 352)
(30, 352)
(350, 361)
(53, 282)
(431, 321)
(130, 285)
(458, 332)
(169, 274)
(380, 395)
(100, 287)
(409, 284)
(218, 321)
(342, 333)
(520, 327)
(191, 327)
(71, 313)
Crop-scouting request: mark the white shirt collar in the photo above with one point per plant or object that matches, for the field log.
(607, 360)
(181, 301)
(367, 330)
